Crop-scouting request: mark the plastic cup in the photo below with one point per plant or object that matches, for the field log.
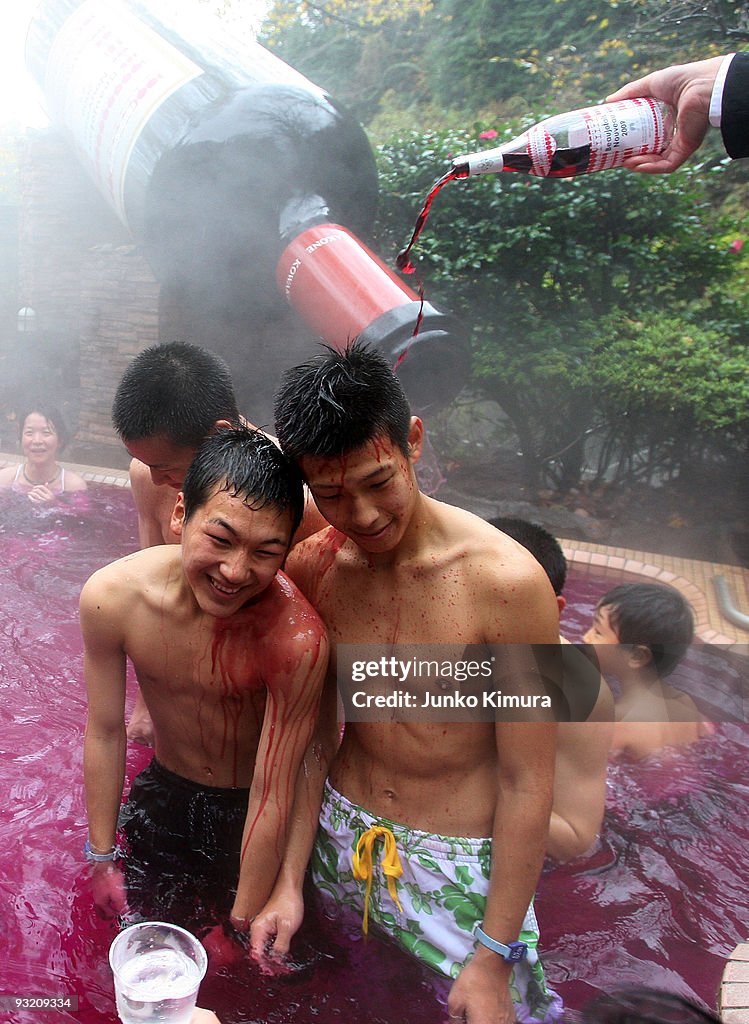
(157, 970)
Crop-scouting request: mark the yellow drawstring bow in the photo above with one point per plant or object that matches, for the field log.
(361, 861)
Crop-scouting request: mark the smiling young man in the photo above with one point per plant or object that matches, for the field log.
(230, 658)
(462, 808)
(171, 397)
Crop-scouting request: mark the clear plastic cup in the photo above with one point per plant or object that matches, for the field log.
(157, 970)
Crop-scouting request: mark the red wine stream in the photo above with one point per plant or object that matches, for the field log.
(403, 260)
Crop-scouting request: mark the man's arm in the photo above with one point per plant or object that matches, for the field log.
(579, 787)
(580, 769)
(280, 919)
(734, 123)
(148, 502)
(105, 743)
(290, 714)
(525, 775)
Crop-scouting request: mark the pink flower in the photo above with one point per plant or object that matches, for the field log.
(736, 245)
(490, 133)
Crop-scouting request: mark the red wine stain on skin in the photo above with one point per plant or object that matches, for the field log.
(229, 664)
(242, 681)
(282, 735)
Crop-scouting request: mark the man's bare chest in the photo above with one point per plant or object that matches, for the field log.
(183, 657)
(419, 608)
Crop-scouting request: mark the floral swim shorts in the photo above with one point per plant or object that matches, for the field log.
(427, 892)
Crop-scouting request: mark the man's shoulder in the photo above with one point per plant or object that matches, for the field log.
(489, 552)
(291, 607)
(140, 474)
(317, 552)
(132, 573)
(146, 493)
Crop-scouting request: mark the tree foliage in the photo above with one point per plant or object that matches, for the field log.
(356, 49)
(591, 301)
(537, 266)
(711, 23)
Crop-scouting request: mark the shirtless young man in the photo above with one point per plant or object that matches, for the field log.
(170, 398)
(396, 566)
(584, 742)
(230, 658)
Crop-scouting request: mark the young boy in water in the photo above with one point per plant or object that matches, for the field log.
(230, 658)
(170, 398)
(461, 808)
(641, 632)
(583, 743)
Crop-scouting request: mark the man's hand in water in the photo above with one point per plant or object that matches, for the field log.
(275, 926)
(481, 992)
(108, 889)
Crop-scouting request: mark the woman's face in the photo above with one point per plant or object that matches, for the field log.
(39, 439)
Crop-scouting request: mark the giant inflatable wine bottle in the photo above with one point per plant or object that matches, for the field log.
(245, 184)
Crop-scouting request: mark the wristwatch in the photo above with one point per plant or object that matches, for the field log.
(98, 858)
(513, 952)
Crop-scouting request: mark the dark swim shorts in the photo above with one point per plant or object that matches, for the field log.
(183, 842)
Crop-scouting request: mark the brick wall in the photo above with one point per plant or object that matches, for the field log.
(95, 298)
(119, 317)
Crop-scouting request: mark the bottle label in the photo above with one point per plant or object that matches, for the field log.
(541, 148)
(623, 129)
(106, 75)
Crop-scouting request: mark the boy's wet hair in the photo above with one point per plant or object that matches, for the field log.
(52, 415)
(177, 391)
(651, 615)
(543, 545)
(248, 465)
(337, 402)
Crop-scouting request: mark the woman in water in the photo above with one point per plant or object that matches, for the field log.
(43, 436)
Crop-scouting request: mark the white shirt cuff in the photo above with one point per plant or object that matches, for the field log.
(716, 98)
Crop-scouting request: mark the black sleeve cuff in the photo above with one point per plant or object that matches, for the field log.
(734, 118)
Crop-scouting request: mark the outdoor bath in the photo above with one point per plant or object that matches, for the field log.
(662, 901)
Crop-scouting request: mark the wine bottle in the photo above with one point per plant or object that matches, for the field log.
(578, 142)
(217, 156)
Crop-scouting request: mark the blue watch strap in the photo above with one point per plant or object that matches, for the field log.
(513, 952)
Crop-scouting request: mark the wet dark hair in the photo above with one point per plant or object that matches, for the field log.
(641, 1005)
(247, 465)
(53, 417)
(177, 391)
(652, 615)
(339, 401)
(543, 545)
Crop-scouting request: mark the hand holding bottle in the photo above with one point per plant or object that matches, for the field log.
(687, 88)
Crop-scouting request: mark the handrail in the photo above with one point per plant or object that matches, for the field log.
(726, 605)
